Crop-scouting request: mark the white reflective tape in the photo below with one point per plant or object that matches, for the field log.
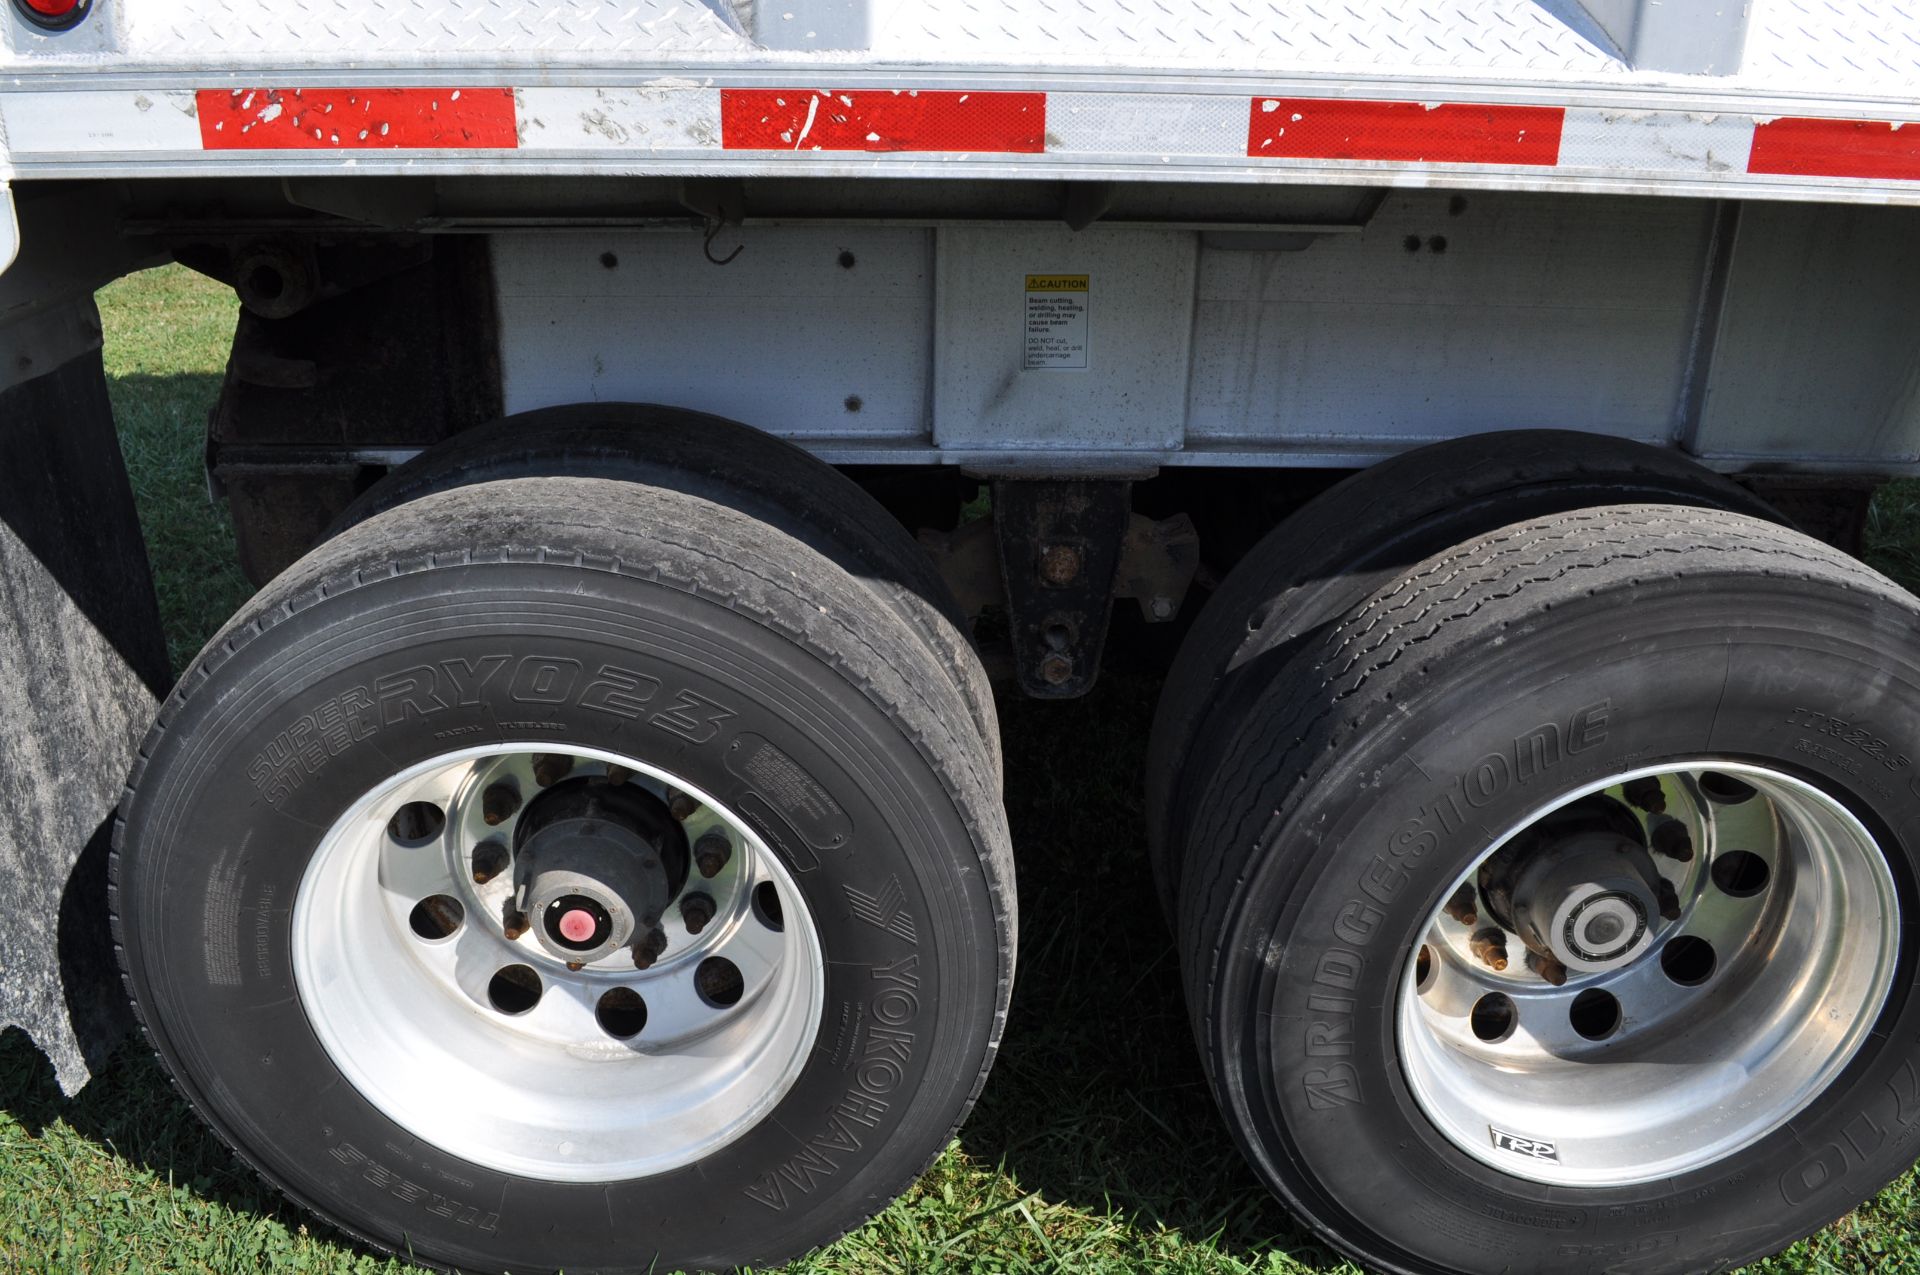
(108, 120)
(1656, 142)
(660, 117)
(1146, 124)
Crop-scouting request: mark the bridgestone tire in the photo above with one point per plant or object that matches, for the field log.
(881, 808)
(1378, 764)
(730, 464)
(1352, 538)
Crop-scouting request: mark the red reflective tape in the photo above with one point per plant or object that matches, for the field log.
(1452, 133)
(882, 120)
(355, 119)
(1836, 148)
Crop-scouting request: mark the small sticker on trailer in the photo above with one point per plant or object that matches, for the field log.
(1057, 321)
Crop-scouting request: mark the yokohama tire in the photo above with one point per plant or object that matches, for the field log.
(728, 641)
(1484, 685)
(730, 464)
(1353, 538)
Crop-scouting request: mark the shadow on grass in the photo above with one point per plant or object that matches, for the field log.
(1097, 1100)
(131, 1109)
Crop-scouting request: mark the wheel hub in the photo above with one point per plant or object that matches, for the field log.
(1587, 901)
(1580, 888)
(595, 866)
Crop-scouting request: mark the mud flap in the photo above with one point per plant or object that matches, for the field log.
(82, 661)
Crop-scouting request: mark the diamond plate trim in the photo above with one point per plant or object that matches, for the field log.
(335, 32)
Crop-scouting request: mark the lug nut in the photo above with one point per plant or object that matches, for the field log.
(649, 948)
(550, 768)
(1669, 902)
(711, 853)
(1646, 794)
(1462, 907)
(490, 859)
(696, 910)
(498, 804)
(1490, 945)
(515, 923)
(1671, 838)
(682, 806)
(1547, 967)
(618, 774)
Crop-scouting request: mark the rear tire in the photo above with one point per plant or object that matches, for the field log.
(674, 653)
(1444, 714)
(1351, 539)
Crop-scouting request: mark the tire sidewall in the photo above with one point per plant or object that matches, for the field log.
(1318, 940)
(308, 718)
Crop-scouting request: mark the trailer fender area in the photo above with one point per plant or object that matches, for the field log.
(82, 659)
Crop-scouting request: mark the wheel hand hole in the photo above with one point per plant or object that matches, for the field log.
(766, 906)
(514, 989)
(621, 1013)
(437, 916)
(1724, 789)
(1688, 960)
(1740, 874)
(416, 823)
(719, 983)
(1595, 1014)
(1494, 1017)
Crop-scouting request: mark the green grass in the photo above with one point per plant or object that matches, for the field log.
(1095, 1146)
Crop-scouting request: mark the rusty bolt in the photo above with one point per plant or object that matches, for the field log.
(682, 806)
(1669, 902)
(1056, 668)
(515, 923)
(711, 853)
(649, 948)
(498, 804)
(1547, 967)
(490, 859)
(550, 768)
(576, 966)
(696, 910)
(1059, 565)
(618, 774)
(1490, 945)
(1462, 907)
(1671, 838)
(1646, 794)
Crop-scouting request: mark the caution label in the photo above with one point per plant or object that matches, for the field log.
(1057, 321)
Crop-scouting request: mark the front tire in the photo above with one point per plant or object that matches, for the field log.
(589, 677)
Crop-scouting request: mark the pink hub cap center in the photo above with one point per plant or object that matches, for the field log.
(576, 926)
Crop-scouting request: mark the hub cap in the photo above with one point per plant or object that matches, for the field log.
(1645, 978)
(518, 956)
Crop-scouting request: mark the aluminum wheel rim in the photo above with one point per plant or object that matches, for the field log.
(1702, 1057)
(414, 1021)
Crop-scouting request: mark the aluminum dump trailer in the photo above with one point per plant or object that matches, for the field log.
(655, 426)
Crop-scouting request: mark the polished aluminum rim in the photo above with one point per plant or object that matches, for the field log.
(448, 1008)
(1620, 1055)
